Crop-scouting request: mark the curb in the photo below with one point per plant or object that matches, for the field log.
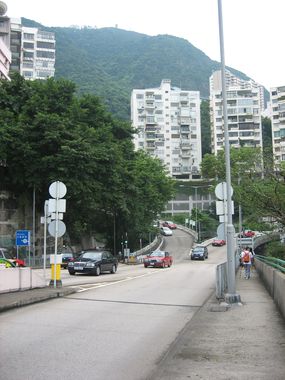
(50, 294)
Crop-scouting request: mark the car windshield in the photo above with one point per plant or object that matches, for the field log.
(92, 255)
(198, 249)
(67, 255)
(157, 253)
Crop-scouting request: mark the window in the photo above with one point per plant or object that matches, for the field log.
(28, 45)
(28, 54)
(28, 74)
(28, 36)
(45, 54)
(45, 45)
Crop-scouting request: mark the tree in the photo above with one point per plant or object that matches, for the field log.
(258, 187)
(49, 134)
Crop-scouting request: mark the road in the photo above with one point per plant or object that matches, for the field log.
(117, 327)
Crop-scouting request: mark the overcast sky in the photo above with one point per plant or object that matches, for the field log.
(253, 29)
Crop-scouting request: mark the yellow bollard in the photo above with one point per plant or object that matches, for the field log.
(56, 274)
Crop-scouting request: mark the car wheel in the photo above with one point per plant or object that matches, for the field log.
(72, 273)
(203, 258)
(97, 271)
(114, 269)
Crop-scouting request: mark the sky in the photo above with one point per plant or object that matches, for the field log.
(253, 29)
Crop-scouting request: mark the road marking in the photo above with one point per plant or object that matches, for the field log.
(103, 284)
(134, 302)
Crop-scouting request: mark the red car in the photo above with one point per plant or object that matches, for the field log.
(218, 242)
(248, 233)
(169, 224)
(158, 259)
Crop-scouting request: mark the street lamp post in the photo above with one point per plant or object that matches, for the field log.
(231, 296)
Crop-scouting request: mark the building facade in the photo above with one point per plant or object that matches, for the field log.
(277, 102)
(245, 104)
(5, 53)
(167, 121)
(33, 51)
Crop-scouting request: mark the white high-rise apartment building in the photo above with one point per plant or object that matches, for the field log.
(245, 100)
(277, 100)
(33, 51)
(167, 120)
(5, 53)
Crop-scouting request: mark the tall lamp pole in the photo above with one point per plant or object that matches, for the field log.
(231, 296)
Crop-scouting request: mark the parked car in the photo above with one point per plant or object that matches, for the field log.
(218, 242)
(248, 233)
(66, 257)
(93, 262)
(4, 254)
(6, 263)
(158, 259)
(199, 252)
(169, 224)
(165, 231)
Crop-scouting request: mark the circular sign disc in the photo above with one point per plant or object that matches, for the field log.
(57, 189)
(60, 230)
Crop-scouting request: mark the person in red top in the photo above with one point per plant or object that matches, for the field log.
(246, 258)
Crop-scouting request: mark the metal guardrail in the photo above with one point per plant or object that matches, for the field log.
(273, 262)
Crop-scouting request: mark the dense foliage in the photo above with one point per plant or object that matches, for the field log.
(111, 62)
(258, 186)
(47, 133)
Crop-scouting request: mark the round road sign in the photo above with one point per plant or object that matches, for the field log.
(221, 191)
(61, 228)
(57, 189)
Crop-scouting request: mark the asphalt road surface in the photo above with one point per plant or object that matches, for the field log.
(117, 327)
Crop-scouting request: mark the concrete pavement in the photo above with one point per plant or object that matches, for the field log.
(220, 342)
(228, 343)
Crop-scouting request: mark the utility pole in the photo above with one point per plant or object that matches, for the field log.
(231, 296)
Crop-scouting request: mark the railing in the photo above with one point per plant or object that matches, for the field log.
(273, 262)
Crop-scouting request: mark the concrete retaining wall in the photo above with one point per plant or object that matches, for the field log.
(274, 281)
(14, 279)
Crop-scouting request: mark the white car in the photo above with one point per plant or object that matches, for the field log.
(165, 231)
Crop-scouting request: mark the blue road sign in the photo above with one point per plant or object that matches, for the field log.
(22, 238)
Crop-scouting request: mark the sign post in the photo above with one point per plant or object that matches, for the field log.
(56, 208)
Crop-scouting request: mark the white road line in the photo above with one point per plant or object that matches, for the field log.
(101, 285)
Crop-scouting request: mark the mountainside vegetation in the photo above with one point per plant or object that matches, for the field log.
(110, 62)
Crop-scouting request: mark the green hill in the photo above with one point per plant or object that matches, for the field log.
(110, 62)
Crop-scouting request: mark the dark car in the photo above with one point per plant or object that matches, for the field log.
(93, 262)
(66, 257)
(200, 252)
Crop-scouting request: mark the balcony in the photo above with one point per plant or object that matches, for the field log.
(150, 136)
(185, 120)
(150, 128)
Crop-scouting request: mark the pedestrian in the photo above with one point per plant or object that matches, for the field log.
(252, 256)
(246, 260)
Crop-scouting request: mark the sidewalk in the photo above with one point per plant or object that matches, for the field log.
(239, 342)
